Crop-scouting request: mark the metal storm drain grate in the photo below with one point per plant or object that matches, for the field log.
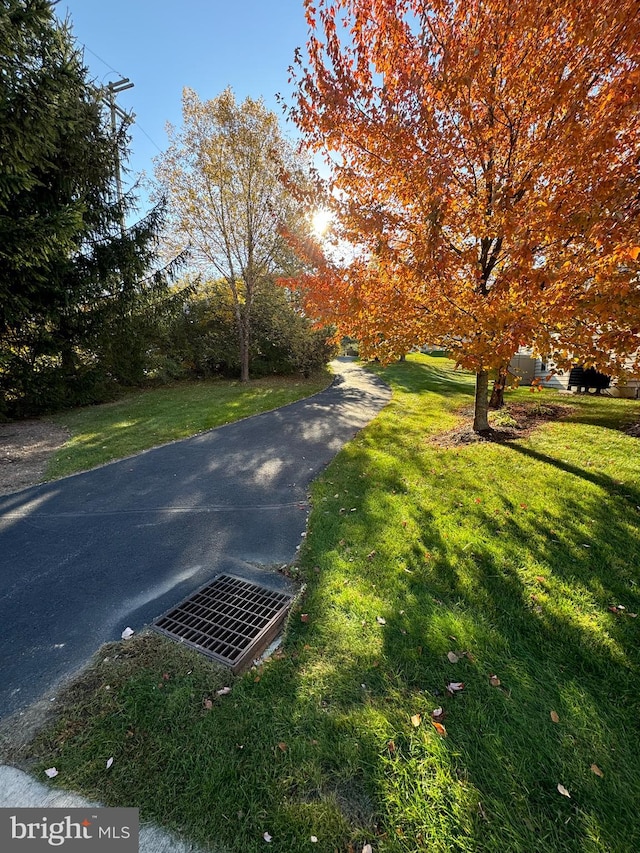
(230, 620)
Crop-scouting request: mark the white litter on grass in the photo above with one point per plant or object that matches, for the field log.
(109, 762)
(267, 837)
(128, 632)
(314, 839)
(51, 772)
(223, 691)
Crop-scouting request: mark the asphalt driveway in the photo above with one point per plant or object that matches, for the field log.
(86, 556)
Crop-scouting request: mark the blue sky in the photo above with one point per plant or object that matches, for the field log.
(164, 45)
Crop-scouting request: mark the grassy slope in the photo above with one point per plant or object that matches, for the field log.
(478, 548)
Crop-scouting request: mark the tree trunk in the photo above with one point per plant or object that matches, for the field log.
(244, 333)
(497, 394)
(244, 357)
(481, 412)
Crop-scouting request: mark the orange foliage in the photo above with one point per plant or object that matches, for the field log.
(485, 163)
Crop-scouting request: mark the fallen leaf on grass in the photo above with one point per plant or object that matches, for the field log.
(554, 716)
(367, 849)
(455, 686)
(109, 763)
(208, 704)
(416, 719)
(223, 691)
(437, 713)
(541, 579)
(494, 681)
(562, 790)
(595, 769)
(282, 746)
(453, 657)
(304, 617)
(128, 632)
(51, 772)
(439, 728)
(621, 610)
(391, 747)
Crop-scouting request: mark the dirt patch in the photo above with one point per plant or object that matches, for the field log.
(25, 450)
(515, 420)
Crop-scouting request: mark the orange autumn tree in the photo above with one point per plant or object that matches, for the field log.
(485, 171)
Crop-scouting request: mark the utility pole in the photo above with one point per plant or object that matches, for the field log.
(114, 89)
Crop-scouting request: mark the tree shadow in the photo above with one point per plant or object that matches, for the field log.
(547, 656)
(309, 735)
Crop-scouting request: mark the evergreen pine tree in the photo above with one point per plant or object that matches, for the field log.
(76, 294)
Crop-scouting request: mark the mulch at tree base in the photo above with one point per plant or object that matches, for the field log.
(514, 421)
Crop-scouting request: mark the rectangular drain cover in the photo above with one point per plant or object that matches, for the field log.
(230, 620)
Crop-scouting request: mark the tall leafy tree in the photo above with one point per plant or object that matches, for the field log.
(73, 280)
(485, 166)
(223, 177)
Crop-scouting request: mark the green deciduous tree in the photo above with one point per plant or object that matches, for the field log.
(201, 341)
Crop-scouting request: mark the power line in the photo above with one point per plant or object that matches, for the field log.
(110, 67)
(152, 141)
(115, 71)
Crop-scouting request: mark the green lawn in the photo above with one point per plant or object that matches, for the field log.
(508, 555)
(144, 419)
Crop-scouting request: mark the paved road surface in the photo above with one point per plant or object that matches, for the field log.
(84, 557)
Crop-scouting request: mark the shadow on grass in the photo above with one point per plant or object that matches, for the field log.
(320, 740)
(553, 643)
(422, 373)
(614, 413)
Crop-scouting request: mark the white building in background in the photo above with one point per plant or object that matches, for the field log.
(530, 368)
